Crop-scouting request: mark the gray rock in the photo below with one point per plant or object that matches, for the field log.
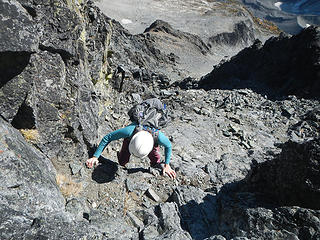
(152, 194)
(286, 178)
(75, 168)
(228, 169)
(15, 225)
(78, 208)
(113, 228)
(150, 232)
(28, 176)
(288, 111)
(199, 212)
(197, 110)
(31, 203)
(166, 93)
(59, 105)
(170, 222)
(18, 33)
(132, 185)
(135, 221)
(14, 89)
(73, 79)
(136, 98)
(19, 39)
(241, 69)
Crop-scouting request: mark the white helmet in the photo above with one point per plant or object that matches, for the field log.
(141, 144)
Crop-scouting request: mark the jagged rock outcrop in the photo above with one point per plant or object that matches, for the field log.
(50, 86)
(242, 35)
(158, 48)
(18, 34)
(292, 174)
(307, 128)
(283, 65)
(28, 177)
(19, 39)
(51, 65)
(32, 205)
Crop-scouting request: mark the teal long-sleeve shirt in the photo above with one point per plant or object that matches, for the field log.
(127, 132)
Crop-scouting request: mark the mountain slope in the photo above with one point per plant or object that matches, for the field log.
(247, 165)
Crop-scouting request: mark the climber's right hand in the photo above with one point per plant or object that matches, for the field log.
(92, 162)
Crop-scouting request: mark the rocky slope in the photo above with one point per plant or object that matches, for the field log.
(247, 164)
(283, 65)
(209, 30)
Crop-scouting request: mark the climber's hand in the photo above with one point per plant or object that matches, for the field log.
(92, 162)
(168, 170)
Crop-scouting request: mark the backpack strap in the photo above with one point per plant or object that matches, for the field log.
(153, 131)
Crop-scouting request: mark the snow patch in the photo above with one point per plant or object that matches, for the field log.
(278, 5)
(126, 21)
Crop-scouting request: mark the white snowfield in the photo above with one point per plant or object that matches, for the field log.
(278, 5)
(125, 21)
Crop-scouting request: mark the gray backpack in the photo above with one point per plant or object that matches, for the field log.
(151, 112)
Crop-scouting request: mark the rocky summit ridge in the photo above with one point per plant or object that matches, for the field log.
(245, 135)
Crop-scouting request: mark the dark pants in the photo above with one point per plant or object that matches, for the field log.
(124, 154)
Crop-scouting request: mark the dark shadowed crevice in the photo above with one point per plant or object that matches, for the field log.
(12, 64)
(24, 118)
(30, 10)
(86, 216)
(158, 213)
(66, 56)
(70, 133)
(90, 147)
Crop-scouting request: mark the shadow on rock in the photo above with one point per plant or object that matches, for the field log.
(280, 196)
(292, 178)
(12, 64)
(282, 66)
(135, 170)
(105, 172)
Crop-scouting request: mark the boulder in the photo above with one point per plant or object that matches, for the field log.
(31, 202)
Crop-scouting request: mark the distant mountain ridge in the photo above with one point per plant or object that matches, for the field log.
(289, 16)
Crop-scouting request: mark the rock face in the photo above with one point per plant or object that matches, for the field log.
(259, 201)
(22, 168)
(31, 203)
(247, 165)
(19, 35)
(266, 203)
(46, 87)
(286, 65)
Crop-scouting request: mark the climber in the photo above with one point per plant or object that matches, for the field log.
(140, 141)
